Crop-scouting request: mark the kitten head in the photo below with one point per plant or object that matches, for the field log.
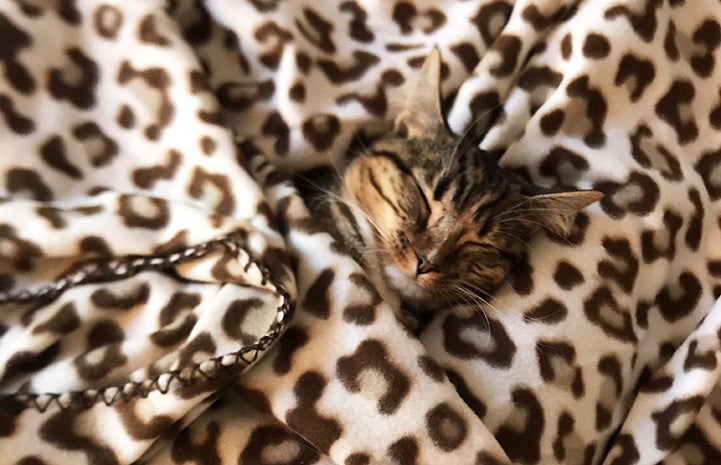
(448, 222)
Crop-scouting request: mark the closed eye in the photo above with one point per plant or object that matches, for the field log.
(480, 246)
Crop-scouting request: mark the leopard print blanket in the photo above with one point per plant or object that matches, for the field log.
(165, 298)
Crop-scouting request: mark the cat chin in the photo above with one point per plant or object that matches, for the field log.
(407, 287)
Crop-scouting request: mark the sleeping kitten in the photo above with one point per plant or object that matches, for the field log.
(432, 218)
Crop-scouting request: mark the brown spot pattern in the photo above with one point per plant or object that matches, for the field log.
(17, 122)
(624, 267)
(523, 446)
(80, 91)
(498, 351)
(674, 305)
(371, 357)
(12, 41)
(446, 427)
(603, 310)
(644, 23)
(319, 430)
(636, 73)
(147, 177)
(675, 108)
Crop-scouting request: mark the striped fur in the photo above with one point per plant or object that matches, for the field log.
(433, 218)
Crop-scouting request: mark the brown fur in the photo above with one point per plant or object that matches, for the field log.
(444, 222)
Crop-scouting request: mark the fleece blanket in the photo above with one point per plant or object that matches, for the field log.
(165, 297)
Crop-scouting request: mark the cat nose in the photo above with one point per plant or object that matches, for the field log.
(423, 265)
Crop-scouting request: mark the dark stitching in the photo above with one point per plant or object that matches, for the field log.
(120, 268)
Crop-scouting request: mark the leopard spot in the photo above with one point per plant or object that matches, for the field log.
(509, 48)
(290, 343)
(17, 122)
(77, 82)
(636, 74)
(155, 79)
(521, 276)
(321, 131)
(371, 372)
(374, 103)
(320, 31)
(213, 189)
(678, 300)
(644, 23)
(236, 316)
(709, 168)
(655, 156)
(699, 360)
(521, 437)
(624, 452)
(446, 427)
(604, 311)
(557, 364)
(320, 430)
(638, 194)
(567, 46)
(143, 212)
(122, 300)
(675, 108)
(676, 417)
(342, 73)
(148, 32)
(567, 276)
(272, 38)
(176, 319)
(107, 20)
(358, 28)
(550, 311)
(100, 148)
(25, 363)
(64, 321)
(661, 242)
(694, 231)
(404, 451)
(533, 15)
(707, 37)
(565, 166)
(596, 46)
(125, 117)
(54, 153)
(275, 445)
(464, 391)
(207, 145)
(431, 368)
(21, 181)
(317, 300)
(275, 126)
(408, 18)
(492, 345)
(490, 19)
(624, 267)
(297, 92)
(669, 42)
(595, 112)
(467, 54)
(358, 458)
(12, 42)
(539, 76)
(147, 177)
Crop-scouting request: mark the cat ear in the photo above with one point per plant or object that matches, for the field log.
(421, 113)
(556, 211)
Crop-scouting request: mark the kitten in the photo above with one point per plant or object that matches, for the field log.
(432, 218)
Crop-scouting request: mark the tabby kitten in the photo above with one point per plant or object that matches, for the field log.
(433, 219)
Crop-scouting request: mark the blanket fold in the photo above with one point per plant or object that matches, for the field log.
(165, 296)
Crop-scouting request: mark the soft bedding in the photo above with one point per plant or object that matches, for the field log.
(166, 297)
